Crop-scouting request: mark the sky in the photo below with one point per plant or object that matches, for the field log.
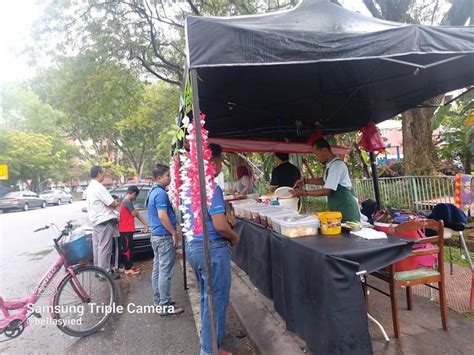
(16, 19)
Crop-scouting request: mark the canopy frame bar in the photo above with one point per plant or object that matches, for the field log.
(204, 212)
(419, 66)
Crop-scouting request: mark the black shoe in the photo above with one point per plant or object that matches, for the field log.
(171, 303)
(171, 311)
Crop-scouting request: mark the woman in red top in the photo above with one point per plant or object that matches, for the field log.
(128, 212)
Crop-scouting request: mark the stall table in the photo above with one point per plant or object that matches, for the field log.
(313, 282)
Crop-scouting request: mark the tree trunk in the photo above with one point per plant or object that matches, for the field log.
(469, 158)
(418, 147)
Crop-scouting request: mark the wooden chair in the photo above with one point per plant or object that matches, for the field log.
(420, 275)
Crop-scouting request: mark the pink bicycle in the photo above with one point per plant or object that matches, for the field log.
(82, 300)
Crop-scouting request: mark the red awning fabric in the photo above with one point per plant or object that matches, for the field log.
(251, 146)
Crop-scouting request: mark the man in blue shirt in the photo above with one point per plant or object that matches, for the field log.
(221, 237)
(164, 240)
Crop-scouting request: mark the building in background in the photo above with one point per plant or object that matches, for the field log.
(391, 132)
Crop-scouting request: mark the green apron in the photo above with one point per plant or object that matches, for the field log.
(344, 201)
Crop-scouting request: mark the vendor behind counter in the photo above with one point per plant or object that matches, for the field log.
(285, 173)
(336, 183)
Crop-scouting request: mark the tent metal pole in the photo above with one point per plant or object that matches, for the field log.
(375, 180)
(180, 146)
(204, 216)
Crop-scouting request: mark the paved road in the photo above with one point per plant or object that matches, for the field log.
(25, 256)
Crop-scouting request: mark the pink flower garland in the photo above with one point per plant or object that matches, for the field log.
(193, 172)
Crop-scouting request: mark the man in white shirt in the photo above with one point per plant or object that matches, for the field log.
(100, 208)
(336, 183)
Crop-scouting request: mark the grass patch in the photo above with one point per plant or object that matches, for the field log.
(469, 315)
(459, 257)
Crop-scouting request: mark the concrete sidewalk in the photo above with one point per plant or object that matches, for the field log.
(421, 327)
(153, 334)
(145, 333)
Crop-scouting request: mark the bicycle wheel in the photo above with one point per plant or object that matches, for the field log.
(78, 317)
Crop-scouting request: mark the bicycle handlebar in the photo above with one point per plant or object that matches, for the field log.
(67, 227)
(40, 229)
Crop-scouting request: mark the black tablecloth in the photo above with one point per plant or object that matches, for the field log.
(313, 283)
(253, 255)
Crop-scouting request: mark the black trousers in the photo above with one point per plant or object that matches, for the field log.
(126, 249)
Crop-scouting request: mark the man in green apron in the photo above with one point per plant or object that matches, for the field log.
(336, 183)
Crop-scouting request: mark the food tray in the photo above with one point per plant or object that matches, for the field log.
(239, 205)
(255, 212)
(265, 215)
(284, 213)
(262, 212)
(249, 209)
(296, 226)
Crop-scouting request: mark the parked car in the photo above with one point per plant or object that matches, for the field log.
(56, 196)
(141, 240)
(21, 200)
(84, 195)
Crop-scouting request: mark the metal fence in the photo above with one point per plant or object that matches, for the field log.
(413, 192)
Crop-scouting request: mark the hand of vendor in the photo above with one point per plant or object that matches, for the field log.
(299, 183)
(298, 192)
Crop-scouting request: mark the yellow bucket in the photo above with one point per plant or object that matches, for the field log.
(330, 222)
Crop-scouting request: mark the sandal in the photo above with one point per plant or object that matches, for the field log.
(131, 272)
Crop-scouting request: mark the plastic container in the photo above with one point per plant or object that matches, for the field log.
(282, 214)
(259, 219)
(238, 206)
(409, 263)
(283, 192)
(296, 226)
(289, 203)
(265, 215)
(330, 222)
(288, 216)
(251, 212)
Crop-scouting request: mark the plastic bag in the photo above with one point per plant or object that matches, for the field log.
(371, 140)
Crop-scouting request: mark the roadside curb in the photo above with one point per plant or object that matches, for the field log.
(260, 321)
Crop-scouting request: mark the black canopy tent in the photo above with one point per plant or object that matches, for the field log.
(278, 76)
(281, 76)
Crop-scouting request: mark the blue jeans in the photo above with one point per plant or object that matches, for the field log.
(221, 279)
(165, 255)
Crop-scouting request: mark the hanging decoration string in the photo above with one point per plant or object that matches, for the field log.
(190, 188)
(175, 183)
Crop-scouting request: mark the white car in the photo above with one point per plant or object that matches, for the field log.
(84, 195)
(56, 196)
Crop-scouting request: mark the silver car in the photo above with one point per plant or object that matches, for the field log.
(21, 200)
(56, 196)
(141, 240)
